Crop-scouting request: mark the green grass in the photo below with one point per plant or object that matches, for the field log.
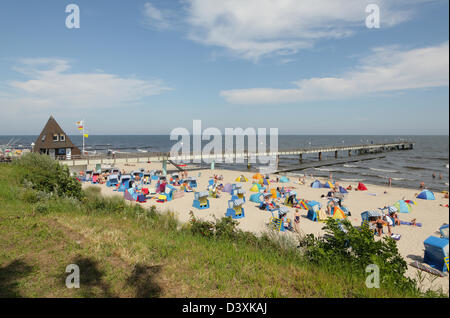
(126, 251)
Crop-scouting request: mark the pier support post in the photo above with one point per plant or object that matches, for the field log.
(349, 153)
(164, 167)
(278, 161)
(320, 156)
(336, 154)
(300, 158)
(212, 165)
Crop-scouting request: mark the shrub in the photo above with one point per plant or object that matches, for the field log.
(204, 228)
(45, 174)
(30, 196)
(356, 249)
(41, 208)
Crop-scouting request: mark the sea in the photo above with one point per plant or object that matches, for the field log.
(405, 168)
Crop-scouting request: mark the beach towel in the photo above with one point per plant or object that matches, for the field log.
(427, 269)
(396, 236)
(409, 223)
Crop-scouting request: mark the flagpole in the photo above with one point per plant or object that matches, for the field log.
(83, 137)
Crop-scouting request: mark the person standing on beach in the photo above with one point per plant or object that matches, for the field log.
(390, 182)
(297, 221)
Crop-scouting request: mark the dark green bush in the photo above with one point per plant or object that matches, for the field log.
(356, 249)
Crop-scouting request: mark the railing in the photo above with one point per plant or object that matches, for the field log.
(166, 155)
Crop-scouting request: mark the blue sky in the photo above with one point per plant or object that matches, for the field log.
(147, 67)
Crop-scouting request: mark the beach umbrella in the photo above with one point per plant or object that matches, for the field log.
(284, 179)
(337, 213)
(241, 178)
(328, 185)
(342, 190)
(316, 185)
(426, 195)
(410, 202)
(402, 206)
(362, 187)
(227, 188)
(254, 188)
(257, 176)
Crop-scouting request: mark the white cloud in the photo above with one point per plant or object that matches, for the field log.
(49, 85)
(386, 70)
(155, 17)
(252, 29)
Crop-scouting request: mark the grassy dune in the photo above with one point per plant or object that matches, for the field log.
(125, 251)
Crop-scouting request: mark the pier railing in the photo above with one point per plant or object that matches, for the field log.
(161, 156)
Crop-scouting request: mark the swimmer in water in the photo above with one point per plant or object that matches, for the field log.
(434, 175)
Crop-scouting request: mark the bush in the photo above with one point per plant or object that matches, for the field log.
(45, 174)
(356, 249)
(41, 208)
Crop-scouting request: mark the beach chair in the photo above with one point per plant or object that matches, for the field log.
(124, 183)
(201, 201)
(235, 209)
(291, 199)
(276, 224)
(239, 194)
(113, 181)
(235, 187)
(446, 262)
(436, 250)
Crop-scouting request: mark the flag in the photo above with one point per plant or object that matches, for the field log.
(80, 127)
(86, 135)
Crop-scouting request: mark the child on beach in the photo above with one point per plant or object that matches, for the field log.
(297, 221)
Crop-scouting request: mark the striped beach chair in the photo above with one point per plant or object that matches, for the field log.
(276, 223)
(446, 262)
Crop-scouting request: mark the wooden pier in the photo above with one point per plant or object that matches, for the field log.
(226, 157)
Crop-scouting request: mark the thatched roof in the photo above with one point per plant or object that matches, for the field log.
(47, 142)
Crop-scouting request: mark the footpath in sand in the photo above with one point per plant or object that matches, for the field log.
(430, 213)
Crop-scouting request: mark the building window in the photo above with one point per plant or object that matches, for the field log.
(62, 137)
(55, 137)
(43, 138)
(61, 151)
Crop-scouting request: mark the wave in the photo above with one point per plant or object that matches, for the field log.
(415, 168)
(351, 166)
(384, 170)
(325, 169)
(446, 165)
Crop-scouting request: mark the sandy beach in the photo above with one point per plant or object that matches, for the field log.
(430, 213)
